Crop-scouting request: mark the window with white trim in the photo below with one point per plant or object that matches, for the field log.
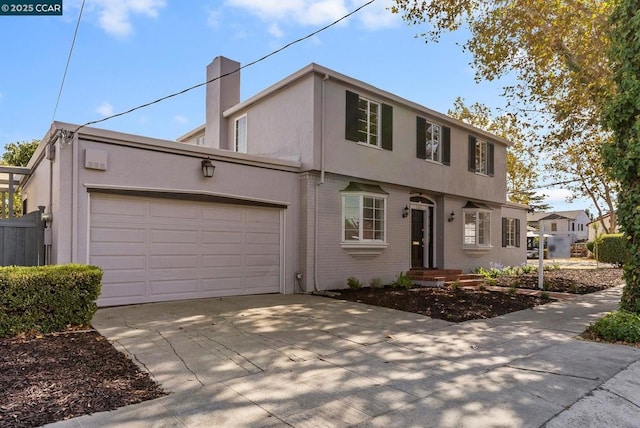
(240, 134)
(364, 217)
(481, 156)
(368, 125)
(477, 228)
(433, 142)
(510, 232)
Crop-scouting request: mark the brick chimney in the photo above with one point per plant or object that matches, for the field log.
(221, 94)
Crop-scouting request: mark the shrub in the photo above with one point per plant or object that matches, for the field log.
(47, 299)
(590, 246)
(455, 284)
(402, 281)
(354, 283)
(617, 326)
(482, 287)
(526, 268)
(491, 281)
(513, 290)
(375, 283)
(545, 295)
(611, 249)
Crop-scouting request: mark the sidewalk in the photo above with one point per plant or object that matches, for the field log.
(309, 361)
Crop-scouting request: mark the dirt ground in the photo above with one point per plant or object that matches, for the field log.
(44, 379)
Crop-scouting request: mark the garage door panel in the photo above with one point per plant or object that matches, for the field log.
(111, 262)
(124, 290)
(178, 288)
(229, 260)
(263, 238)
(222, 237)
(160, 263)
(113, 248)
(117, 234)
(158, 250)
(174, 210)
(173, 236)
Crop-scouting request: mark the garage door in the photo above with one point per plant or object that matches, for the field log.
(155, 249)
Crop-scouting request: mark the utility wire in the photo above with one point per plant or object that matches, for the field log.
(308, 36)
(64, 76)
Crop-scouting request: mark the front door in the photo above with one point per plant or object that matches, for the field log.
(417, 238)
(422, 233)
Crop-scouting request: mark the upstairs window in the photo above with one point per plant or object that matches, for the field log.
(433, 141)
(554, 227)
(481, 156)
(368, 122)
(510, 232)
(240, 134)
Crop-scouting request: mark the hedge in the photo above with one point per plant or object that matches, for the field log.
(611, 249)
(47, 299)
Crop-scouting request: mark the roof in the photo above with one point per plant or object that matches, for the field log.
(334, 75)
(553, 215)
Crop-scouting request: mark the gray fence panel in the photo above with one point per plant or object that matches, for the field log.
(22, 240)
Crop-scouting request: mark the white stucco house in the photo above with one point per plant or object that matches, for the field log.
(573, 224)
(316, 178)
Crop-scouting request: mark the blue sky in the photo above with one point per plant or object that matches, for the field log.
(129, 52)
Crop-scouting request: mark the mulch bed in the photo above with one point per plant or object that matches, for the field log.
(449, 304)
(575, 281)
(60, 376)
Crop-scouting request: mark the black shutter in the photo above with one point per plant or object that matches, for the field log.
(472, 153)
(387, 127)
(518, 232)
(446, 145)
(504, 231)
(421, 138)
(490, 167)
(351, 119)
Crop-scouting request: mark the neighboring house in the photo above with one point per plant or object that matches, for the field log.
(317, 178)
(595, 227)
(572, 224)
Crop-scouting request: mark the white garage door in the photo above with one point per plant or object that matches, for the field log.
(161, 249)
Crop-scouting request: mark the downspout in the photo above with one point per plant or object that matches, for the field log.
(316, 229)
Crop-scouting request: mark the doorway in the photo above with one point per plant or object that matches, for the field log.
(422, 233)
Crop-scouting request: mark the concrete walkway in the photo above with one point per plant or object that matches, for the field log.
(309, 361)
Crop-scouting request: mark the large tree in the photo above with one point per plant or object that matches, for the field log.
(18, 153)
(556, 52)
(522, 173)
(622, 154)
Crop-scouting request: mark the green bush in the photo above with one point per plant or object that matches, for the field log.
(47, 299)
(375, 283)
(611, 249)
(618, 326)
(590, 246)
(354, 283)
(402, 281)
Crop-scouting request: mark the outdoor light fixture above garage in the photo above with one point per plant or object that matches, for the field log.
(207, 168)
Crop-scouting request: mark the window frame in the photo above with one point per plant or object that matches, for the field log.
(236, 143)
(364, 116)
(481, 228)
(510, 232)
(429, 143)
(361, 217)
(481, 157)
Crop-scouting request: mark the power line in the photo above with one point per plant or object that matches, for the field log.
(64, 76)
(175, 94)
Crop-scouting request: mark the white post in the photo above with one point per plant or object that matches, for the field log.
(540, 258)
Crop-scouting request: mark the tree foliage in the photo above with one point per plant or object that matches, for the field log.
(16, 154)
(556, 51)
(622, 152)
(522, 172)
(19, 153)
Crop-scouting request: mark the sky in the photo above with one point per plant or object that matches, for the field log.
(130, 52)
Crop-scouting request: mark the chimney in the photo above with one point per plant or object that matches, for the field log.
(221, 94)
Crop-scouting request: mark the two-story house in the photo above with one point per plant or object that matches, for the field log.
(317, 178)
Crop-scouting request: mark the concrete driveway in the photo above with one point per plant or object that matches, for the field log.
(309, 361)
